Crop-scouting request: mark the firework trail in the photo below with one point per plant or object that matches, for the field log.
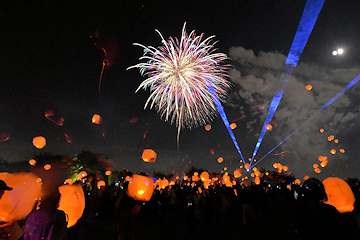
(179, 75)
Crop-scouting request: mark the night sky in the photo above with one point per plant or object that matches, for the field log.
(51, 59)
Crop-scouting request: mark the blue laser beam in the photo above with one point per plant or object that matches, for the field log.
(224, 117)
(352, 83)
(305, 27)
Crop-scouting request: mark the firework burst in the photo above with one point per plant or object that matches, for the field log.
(179, 75)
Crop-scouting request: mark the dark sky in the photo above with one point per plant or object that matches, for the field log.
(51, 58)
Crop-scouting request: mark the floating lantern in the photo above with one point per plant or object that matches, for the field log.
(220, 160)
(247, 166)
(257, 180)
(208, 127)
(39, 142)
(47, 167)
(322, 130)
(149, 155)
(306, 177)
(317, 170)
(72, 202)
(237, 173)
(308, 87)
(164, 183)
(204, 176)
(336, 140)
(339, 194)
(297, 181)
(285, 168)
(233, 125)
(141, 188)
(108, 173)
(32, 162)
(268, 127)
(96, 119)
(195, 178)
(315, 165)
(342, 150)
(333, 151)
(330, 138)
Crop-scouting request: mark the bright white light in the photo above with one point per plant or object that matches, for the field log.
(334, 53)
(340, 51)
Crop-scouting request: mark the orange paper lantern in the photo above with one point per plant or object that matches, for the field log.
(204, 176)
(233, 125)
(308, 87)
(339, 194)
(220, 160)
(100, 184)
(108, 173)
(47, 167)
(39, 142)
(149, 155)
(268, 127)
(208, 127)
(96, 119)
(81, 175)
(72, 202)
(32, 162)
(141, 188)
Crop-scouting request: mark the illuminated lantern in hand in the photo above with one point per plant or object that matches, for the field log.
(72, 202)
(204, 176)
(149, 155)
(96, 119)
(32, 162)
(141, 188)
(339, 194)
(39, 142)
(18, 203)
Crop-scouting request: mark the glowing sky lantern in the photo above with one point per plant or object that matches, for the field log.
(268, 127)
(96, 119)
(32, 162)
(220, 160)
(323, 163)
(18, 203)
(226, 178)
(81, 175)
(315, 165)
(100, 184)
(39, 142)
(207, 127)
(336, 140)
(322, 130)
(149, 155)
(306, 177)
(233, 125)
(247, 166)
(204, 176)
(308, 87)
(72, 202)
(333, 151)
(257, 180)
(317, 170)
(237, 173)
(195, 178)
(297, 181)
(342, 150)
(141, 188)
(185, 177)
(285, 168)
(330, 138)
(339, 194)
(108, 173)
(47, 167)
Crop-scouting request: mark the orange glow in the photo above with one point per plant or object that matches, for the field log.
(330, 138)
(212, 151)
(49, 114)
(257, 180)
(39, 142)
(204, 176)
(285, 168)
(39, 180)
(306, 177)
(336, 140)
(333, 151)
(47, 167)
(297, 181)
(4, 136)
(69, 181)
(81, 175)
(308, 87)
(226, 178)
(208, 127)
(247, 165)
(323, 163)
(72, 202)
(268, 127)
(185, 178)
(195, 178)
(339, 194)
(149, 155)
(342, 150)
(315, 165)
(32, 162)
(233, 125)
(322, 130)
(237, 173)
(100, 184)
(164, 183)
(134, 120)
(225, 168)
(317, 170)
(108, 173)
(220, 160)
(96, 119)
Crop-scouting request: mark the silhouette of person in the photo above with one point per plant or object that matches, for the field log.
(314, 218)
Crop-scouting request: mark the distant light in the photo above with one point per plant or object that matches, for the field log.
(340, 51)
(334, 53)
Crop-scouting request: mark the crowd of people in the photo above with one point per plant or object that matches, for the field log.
(194, 212)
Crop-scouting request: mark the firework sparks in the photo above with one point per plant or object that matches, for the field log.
(179, 75)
